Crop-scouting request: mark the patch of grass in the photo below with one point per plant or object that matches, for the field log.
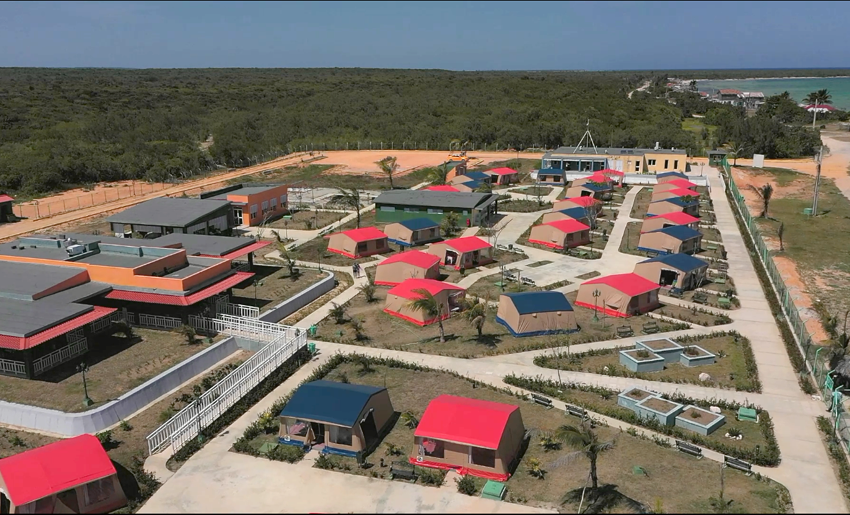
(589, 275)
(734, 368)
(534, 191)
(307, 220)
(837, 458)
(277, 285)
(316, 251)
(117, 364)
(698, 316)
(642, 200)
(631, 239)
(523, 206)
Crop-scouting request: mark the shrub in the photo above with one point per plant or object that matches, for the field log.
(535, 468)
(125, 426)
(734, 432)
(105, 438)
(466, 485)
(432, 477)
(324, 463)
(287, 453)
(394, 450)
(17, 441)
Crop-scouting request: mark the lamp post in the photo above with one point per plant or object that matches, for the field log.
(596, 294)
(256, 283)
(82, 369)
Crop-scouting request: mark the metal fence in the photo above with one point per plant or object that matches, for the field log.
(284, 342)
(153, 321)
(15, 368)
(43, 364)
(240, 310)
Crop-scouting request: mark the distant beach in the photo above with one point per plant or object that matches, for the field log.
(798, 87)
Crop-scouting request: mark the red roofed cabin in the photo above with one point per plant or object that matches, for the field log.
(560, 234)
(466, 252)
(413, 264)
(673, 193)
(503, 175)
(621, 295)
(357, 243)
(74, 475)
(470, 436)
(673, 185)
(582, 202)
(399, 298)
(6, 214)
(441, 187)
(653, 223)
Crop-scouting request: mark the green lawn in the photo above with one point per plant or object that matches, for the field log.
(277, 285)
(523, 206)
(642, 200)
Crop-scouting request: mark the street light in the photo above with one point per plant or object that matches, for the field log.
(596, 294)
(82, 369)
(256, 283)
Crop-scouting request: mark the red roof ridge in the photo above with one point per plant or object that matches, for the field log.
(412, 257)
(407, 287)
(467, 243)
(629, 283)
(363, 234)
(466, 421)
(567, 225)
(503, 170)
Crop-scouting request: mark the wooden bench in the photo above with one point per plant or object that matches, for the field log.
(737, 464)
(710, 247)
(402, 469)
(541, 400)
(719, 280)
(691, 449)
(624, 331)
(526, 280)
(724, 302)
(575, 411)
(700, 298)
(650, 328)
(676, 293)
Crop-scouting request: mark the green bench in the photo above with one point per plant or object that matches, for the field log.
(700, 298)
(650, 328)
(724, 302)
(719, 280)
(747, 415)
(710, 247)
(625, 331)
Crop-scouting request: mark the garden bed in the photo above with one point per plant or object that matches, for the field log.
(277, 285)
(698, 316)
(307, 220)
(642, 201)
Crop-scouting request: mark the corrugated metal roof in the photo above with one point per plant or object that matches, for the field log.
(539, 301)
(178, 300)
(169, 212)
(329, 401)
(28, 342)
(465, 421)
(683, 262)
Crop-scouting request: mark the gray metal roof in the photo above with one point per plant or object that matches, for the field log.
(169, 212)
(438, 199)
(610, 151)
(79, 293)
(24, 281)
(201, 244)
(21, 318)
(118, 260)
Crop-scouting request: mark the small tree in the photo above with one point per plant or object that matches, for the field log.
(388, 166)
(765, 193)
(369, 289)
(288, 258)
(535, 468)
(357, 325)
(439, 174)
(586, 443)
(781, 234)
(408, 418)
(450, 223)
(476, 314)
(430, 307)
(189, 333)
(338, 312)
(351, 198)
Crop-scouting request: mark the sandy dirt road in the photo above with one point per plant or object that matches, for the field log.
(13, 230)
(364, 160)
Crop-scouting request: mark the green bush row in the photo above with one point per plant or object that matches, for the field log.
(794, 353)
(769, 456)
(835, 452)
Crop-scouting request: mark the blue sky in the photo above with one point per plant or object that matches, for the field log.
(448, 35)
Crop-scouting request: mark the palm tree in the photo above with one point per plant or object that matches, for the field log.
(735, 149)
(438, 174)
(368, 290)
(818, 98)
(351, 198)
(586, 443)
(430, 307)
(408, 418)
(476, 314)
(288, 257)
(765, 193)
(388, 166)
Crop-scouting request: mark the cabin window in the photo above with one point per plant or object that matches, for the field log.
(666, 163)
(650, 162)
(282, 200)
(387, 208)
(99, 491)
(432, 448)
(435, 211)
(482, 457)
(676, 164)
(296, 427)
(361, 247)
(411, 210)
(340, 435)
(637, 166)
(274, 204)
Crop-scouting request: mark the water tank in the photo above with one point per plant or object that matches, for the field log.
(75, 250)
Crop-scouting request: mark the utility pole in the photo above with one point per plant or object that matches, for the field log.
(817, 182)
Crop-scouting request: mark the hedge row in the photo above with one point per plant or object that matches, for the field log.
(769, 456)
(794, 353)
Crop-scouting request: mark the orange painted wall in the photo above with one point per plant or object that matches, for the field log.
(80, 278)
(258, 199)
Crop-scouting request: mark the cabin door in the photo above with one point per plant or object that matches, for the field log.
(318, 433)
(5, 504)
(370, 431)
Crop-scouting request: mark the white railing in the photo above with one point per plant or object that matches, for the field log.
(57, 357)
(103, 323)
(159, 321)
(16, 368)
(189, 422)
(240, 310)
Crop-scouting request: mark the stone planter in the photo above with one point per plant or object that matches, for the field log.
(633, 362)
(705, 424)
(704, 358)
(629, 398)
(662, 410)
(664, 347)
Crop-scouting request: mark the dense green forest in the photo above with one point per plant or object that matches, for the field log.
(65, 127)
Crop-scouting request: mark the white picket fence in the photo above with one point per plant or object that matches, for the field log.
(10, 367)
(153, 321)
(79, 346)
(103, 323)
(240, 310)
(284, 342)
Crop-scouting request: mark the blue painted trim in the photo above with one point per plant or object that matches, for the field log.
(535, 333)
(339, 452)
(299, 443)
(399, 242)
(647, 249)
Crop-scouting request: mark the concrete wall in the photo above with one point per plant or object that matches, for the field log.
(293, 304)
(102, 417)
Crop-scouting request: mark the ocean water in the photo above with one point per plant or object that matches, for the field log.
(839, 87)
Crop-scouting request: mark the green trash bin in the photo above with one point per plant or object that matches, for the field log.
(494, 490)
(807, 211)
(311, 346)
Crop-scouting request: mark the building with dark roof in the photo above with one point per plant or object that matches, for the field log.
(336, 418)
(673, 205)
(253, 204)
(671, 240)
(397, 205)
(472, 176)
(412, 232)
(599, 191)
(669, 176)
(535, 313)
(550, 176)
(165, 215)
(6, 214)
(675, 270)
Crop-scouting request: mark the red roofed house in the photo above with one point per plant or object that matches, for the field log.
(503, 175)
(675, 192)
(560, 234)
(470, 436)
(399, 298)
(357, 243)
(413, 264)
(582, 202)
(620, 295)
(673, 185)
(653, 223)
(6, 214)
(441, 187)
(466, 252)
(74, 475)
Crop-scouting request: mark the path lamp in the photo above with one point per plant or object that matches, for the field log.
(596, 294)
(82, 368)
(256, 283)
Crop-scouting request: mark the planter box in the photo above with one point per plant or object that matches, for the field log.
(628, 401)
(630, 360)
(706, 424)
(664, 347)
(704, 358)
(662, 410)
